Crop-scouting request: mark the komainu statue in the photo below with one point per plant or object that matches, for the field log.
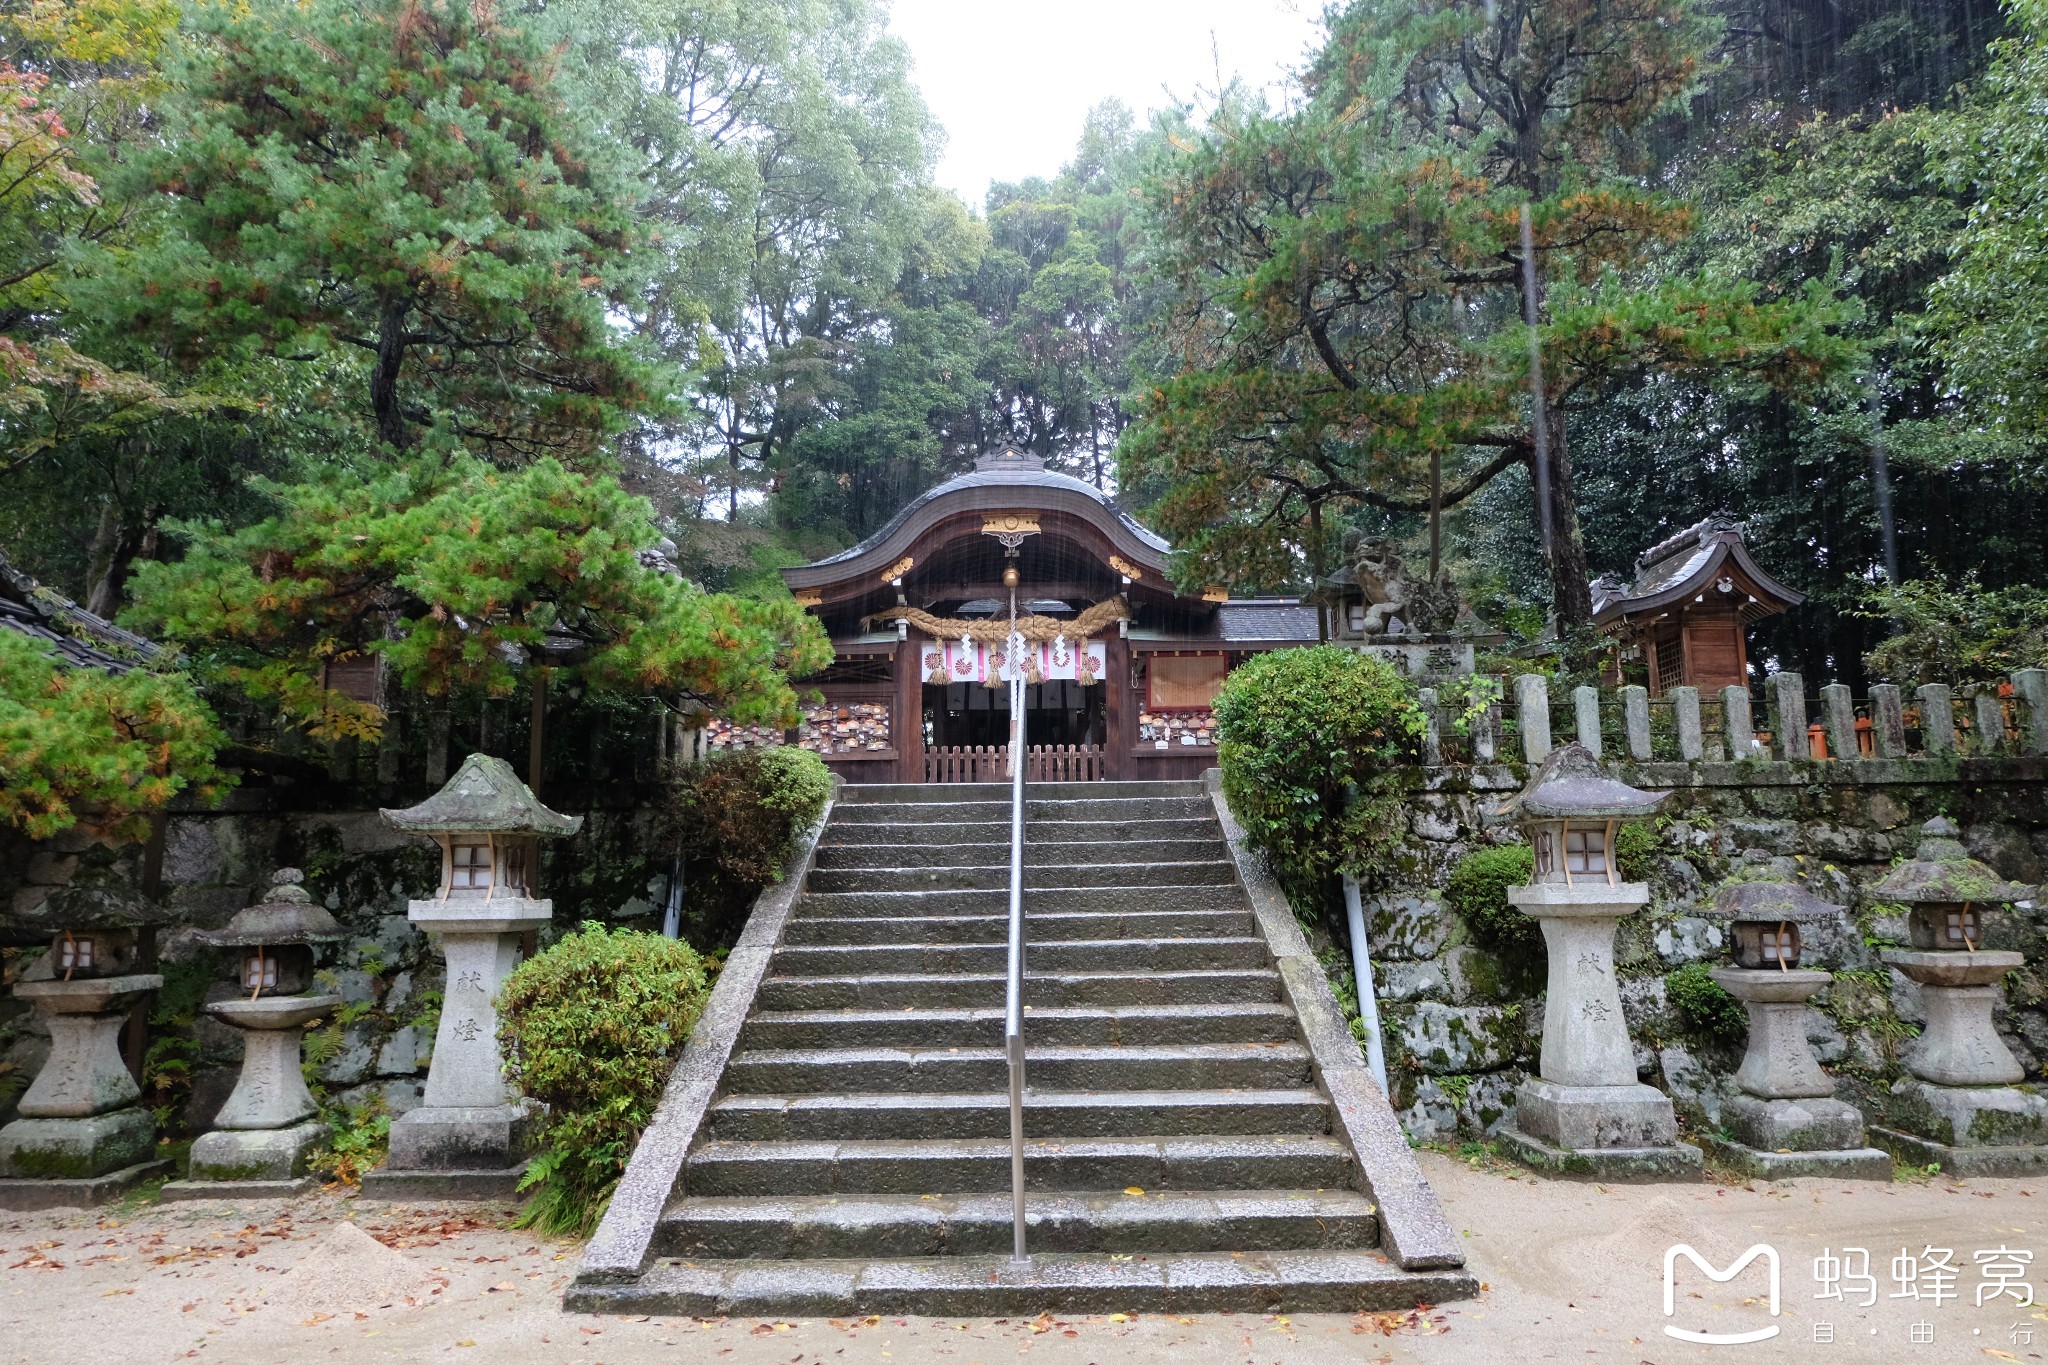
(1395, 603)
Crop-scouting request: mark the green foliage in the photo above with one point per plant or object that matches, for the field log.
(1477, 892)
(1704, 1008)
(1960, 633)
(1636, 849)
(107, 748)
(1347, 301)
(1317, 747)
(742, 812)
(591, 1027)
(447, 567)
(1990, 313)
(358, 1137)
(400, 181)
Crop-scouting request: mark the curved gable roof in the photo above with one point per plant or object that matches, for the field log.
(1008, 479)
(1681, 567)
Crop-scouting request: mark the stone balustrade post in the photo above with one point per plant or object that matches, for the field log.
(1838, 705)
(1586, 716)
(1741, 728)
(1532, 715)
(1432, 728)
(1685, 711)
(1486, 733)
(1937, 719)
(1989, 713)
(1787, 693)
(2030, 685)
(1888, 721)
(1635, 722)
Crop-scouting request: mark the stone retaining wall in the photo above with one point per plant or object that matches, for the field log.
(1463, 1022)
(216, 862)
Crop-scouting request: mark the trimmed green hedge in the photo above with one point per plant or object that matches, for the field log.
(592, 1027)
(1317, 747)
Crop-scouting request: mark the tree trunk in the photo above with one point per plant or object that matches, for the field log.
(115, 548)
(1571, 592)
(384, 404)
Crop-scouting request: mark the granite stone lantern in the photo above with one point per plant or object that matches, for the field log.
(1786, 1122)
(83, 1137)
(1962, 1105)
(470, 1137)
(1586, 1114)
(269, 1127)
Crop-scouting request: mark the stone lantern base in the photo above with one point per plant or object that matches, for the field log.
(82, 1139)
(1787, 1122)
(1614, 1133)
(1989, 1130)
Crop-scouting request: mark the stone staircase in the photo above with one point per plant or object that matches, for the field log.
(854, 1155)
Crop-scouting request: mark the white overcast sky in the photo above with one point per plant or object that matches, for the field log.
(1011, 81)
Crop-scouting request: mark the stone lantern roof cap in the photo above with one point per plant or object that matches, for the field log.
(1758, 890)
(1942, 872)
(98, 897)
(1571, 785)
(486, 797)
(285, 915)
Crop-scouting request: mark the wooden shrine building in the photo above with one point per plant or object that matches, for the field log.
(1121, 668)
(1684, 621)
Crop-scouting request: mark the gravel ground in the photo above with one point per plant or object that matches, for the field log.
(1573, 1273)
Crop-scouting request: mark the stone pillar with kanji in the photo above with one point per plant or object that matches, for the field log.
(1586, 1114)
(470, 1137)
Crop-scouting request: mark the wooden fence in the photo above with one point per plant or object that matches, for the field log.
(991, 763)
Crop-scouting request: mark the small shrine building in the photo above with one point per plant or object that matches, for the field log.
(1684, 620)
(1121, 668)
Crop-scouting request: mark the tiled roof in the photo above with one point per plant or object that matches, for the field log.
(1278, 619)
(72, 633)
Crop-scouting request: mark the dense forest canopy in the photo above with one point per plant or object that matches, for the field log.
(308, 309)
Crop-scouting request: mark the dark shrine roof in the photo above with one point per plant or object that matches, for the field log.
(1686, 565)
(1008, 468)
(484, 796)
(75, 635)
(1277, 619)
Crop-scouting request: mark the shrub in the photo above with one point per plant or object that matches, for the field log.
(1477, 892)
(1958, 632)
(742, 813)
(735, 818)
(1635, 851)
(591, 1028)
(1703, 1007)
(1316, 745)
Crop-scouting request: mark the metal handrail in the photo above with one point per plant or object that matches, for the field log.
(1013, 1016)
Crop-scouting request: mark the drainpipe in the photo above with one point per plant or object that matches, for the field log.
(1361, 971)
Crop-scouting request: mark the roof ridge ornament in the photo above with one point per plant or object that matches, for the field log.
(1009, 456)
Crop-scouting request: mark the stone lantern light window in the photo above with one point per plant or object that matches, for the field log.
(469, 867)
(259, 973)
(1760, 944)
(74, 953)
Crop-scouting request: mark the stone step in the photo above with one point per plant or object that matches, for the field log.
(1122, 851)
(1126, 955)
(1206, 1066)
(982, 1165)
(953, 793)
(1047, 1114)
(987, 1286)
(788, 991)
(1100, 808)
(1096, 834)
(1142, 1025)
(1213, 873)
(1101, 899)
(813, 1227)
(1040, 927)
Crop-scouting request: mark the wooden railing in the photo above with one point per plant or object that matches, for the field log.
(991, 763)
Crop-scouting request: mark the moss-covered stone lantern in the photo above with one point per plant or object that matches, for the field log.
(1786, 1122)
(469, 1137)
(268, 1129)
(83, 1137)
(1962, 1105)
(1586, 1113)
